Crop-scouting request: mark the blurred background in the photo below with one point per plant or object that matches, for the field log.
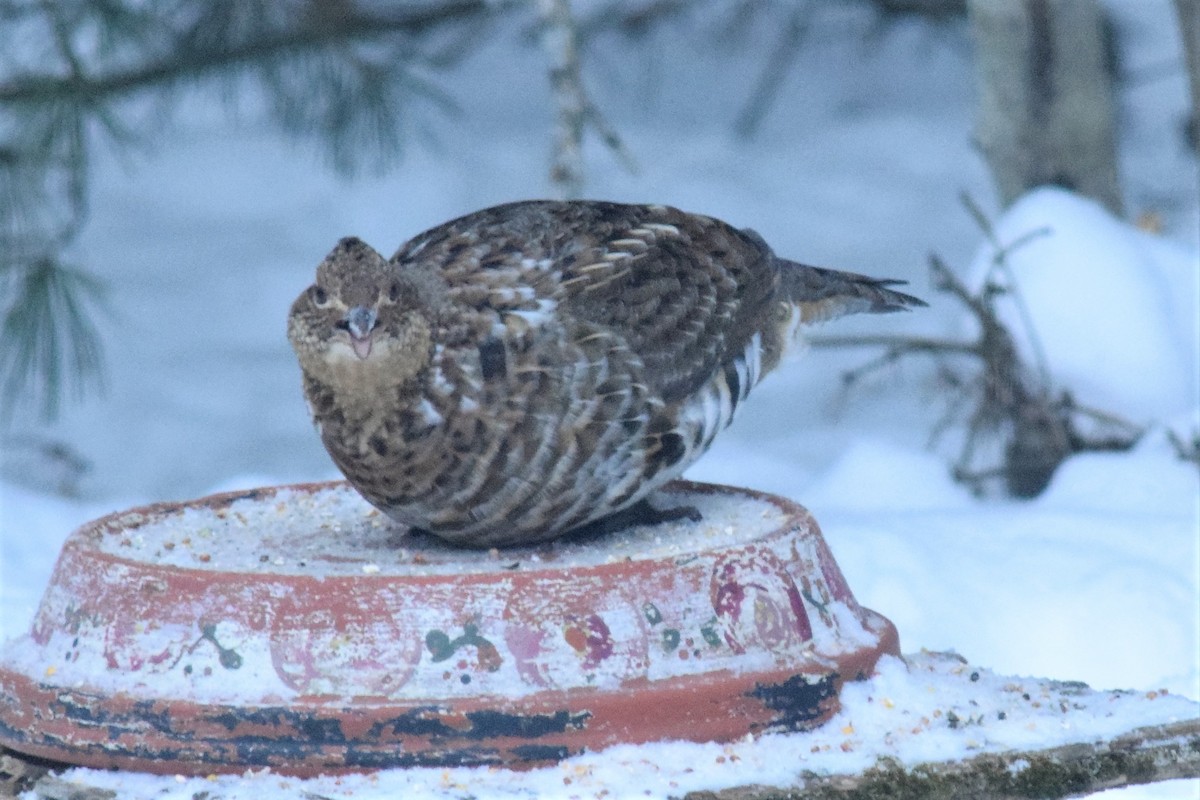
(172, 172)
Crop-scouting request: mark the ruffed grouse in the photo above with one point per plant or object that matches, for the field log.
(531, 368)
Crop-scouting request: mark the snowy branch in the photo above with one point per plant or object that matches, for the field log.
(1040, 425)
(342, 73)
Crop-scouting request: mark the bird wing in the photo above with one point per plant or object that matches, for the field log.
(686, 293)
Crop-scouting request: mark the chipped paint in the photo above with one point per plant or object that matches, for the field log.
(135, 661)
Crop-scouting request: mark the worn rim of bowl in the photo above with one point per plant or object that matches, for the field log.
(528, 667)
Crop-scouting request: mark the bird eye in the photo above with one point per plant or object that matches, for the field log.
(319, 297)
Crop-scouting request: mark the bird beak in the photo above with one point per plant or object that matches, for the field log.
(360, 323)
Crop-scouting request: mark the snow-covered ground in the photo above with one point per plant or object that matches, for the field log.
(931, 708)
(206, 241)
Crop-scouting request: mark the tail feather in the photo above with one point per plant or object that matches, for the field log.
(825, 294)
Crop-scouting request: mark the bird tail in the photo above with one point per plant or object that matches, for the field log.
(825, 294)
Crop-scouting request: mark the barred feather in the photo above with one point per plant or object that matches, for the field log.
(538, 366)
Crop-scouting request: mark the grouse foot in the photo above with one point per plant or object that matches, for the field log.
(640, 513)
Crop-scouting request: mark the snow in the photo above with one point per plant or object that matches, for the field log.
(914, 712)
(858, 168)
(288, 532)
(1127, 339)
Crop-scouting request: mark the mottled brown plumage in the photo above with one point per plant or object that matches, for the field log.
(525, 370)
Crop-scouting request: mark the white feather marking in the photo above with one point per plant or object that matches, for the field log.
(440, 383)
(539, 264)
(792, 330)
(753, 356)
(600, 334)
(743, 373)
(472, 383)
(725, 399)
(413, 250)
(711, 407)
(702, 418)
(504, 296)
(661, 227)
(539, 316)
(429, 413)
(511, 295)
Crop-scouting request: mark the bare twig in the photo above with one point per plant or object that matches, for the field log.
(1038, 426)
(1000, 255)
(631, 20)
(43, 463)
(1187, 450)
(560, 40)
(906, 344)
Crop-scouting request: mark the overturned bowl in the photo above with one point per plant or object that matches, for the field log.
(297, 628)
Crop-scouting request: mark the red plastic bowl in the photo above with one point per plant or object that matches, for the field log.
(295, 627)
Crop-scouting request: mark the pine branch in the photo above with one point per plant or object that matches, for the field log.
(200, 58)
(50, 338)
(329, 70)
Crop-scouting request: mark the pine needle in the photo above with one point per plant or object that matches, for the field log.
(51, 343)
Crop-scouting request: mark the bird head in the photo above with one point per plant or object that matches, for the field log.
(363, 320)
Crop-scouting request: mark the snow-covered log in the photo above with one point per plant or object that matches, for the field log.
(932, 726)
(1146, 755)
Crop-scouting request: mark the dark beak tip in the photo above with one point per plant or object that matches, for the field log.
(360, 321)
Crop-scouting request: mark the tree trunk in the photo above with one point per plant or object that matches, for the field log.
(1046, 109)
(1189, 28)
